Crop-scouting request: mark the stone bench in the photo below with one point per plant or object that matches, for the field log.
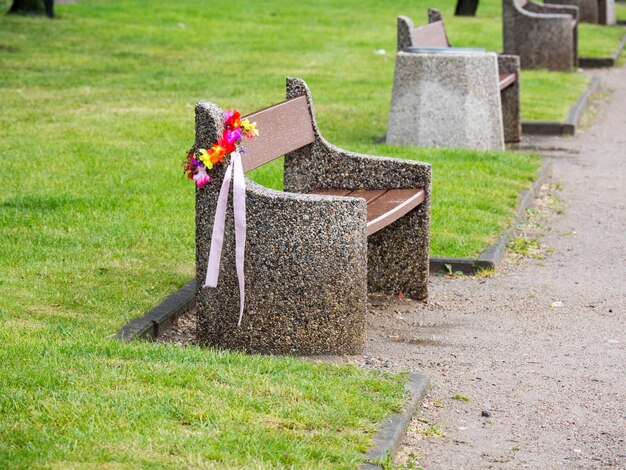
(592, 11)
(542, 35)
(434, 35)
(346, 223)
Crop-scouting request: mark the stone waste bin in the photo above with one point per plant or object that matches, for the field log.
(448, 97)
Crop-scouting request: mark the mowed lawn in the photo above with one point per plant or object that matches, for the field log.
(97, 226)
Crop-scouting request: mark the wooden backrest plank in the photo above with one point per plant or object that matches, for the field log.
(282, 128)
(430, 35)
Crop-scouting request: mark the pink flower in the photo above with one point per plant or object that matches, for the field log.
(201, 178)
(234, 136)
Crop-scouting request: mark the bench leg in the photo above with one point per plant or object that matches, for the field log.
(511, 113)
(398, 255)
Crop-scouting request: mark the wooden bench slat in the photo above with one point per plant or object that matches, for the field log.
(430, 35)
(369, 196)
(391, 206)
(507, 79)
(384, 206)
(282, 128)
(333, 192)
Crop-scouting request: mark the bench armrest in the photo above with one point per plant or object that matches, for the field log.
(321, 165)
(270, 213)
(552, 9)
(509, 64)
(335, 168)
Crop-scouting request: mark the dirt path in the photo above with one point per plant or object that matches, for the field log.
(540, 348)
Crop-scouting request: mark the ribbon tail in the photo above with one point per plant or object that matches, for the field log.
(239, 208)
(217, 237)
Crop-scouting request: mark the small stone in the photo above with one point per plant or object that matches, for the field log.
(486, 414)
(557, 304)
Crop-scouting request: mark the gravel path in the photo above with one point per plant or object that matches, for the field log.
(535, 355)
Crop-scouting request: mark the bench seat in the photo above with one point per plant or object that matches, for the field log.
(384, 206)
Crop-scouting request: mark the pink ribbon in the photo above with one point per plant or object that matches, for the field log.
(234, 171)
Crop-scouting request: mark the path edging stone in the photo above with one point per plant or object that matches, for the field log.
(150, 325)
(393, 429)
(573, 119)
(602, 62)
(493, 254)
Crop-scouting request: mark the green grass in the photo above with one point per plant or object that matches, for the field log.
(97, 226)
(620, 11)
(546, 99)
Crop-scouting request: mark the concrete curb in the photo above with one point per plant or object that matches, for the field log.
(573, 119)
(493, 254)
(393, 429)
(150, 325)
(601, 62)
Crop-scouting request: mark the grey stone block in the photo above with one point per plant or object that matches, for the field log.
(446, 100)
(542, 35)
(307, 256)
(510, 98)
(507, 64)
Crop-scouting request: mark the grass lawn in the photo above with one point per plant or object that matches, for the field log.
(620, 11)
(97, 225)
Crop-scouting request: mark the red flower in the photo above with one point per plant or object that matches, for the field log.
(233, 120)
(226, 145)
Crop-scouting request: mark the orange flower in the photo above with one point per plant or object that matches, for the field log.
(216, 154)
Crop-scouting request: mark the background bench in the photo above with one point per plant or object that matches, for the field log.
(345, 223)
(592, 11)
(434, 35)
(542, 35)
